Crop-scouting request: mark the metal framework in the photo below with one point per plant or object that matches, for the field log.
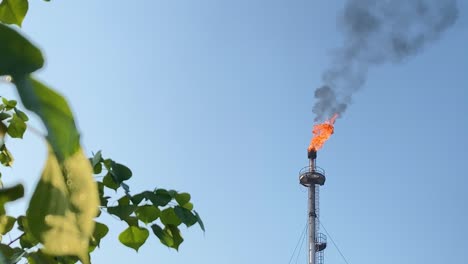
(313, 177)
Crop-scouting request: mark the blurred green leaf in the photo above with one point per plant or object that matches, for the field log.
(9, 104)
(62, 209)
(6, 223)
(27, 240)
(17, 127)
(10, 194)
(19, 56)
(21, 114)
(39, 257)
(54, 112)
(10, 255)
(134, 237)
(7, 252)
(4, 115)
(5, 156)
(13, 11)
(18, 254)
(147, 213)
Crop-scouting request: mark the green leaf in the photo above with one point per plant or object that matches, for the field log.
(3, 259)
(132, 221)
(17, 127)
(10, 194)
(27, 240)
(108, 163)
(159, 198)
(97, 168)
(182, 198)
(175, 233)
(163, 235)
(66, 260)
(10, 255)
(4, 115)
(62, 209)
(6, 251)
(18, 254)
(6, 223)
(96, 158)
(172, 193)
(109, 182)
(147, 213)
(122, 211)
(53, 110)
(40, 258)
(9, 104)
(169, 236)
(188, 206)
(124, 200)
(100, 231)
(200, 222)
(137, 198)
(120, 172)
(169, 217)
(13, 11)
(5, 156)
(19, 56)
(186, 216)
(134, 237)
(21, 114)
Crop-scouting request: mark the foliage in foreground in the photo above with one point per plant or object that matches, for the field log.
(60, 224)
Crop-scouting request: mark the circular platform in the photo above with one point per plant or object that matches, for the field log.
(309, 176)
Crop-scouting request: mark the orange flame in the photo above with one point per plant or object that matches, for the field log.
(322, 133)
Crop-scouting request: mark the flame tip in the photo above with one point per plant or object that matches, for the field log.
(322, 133)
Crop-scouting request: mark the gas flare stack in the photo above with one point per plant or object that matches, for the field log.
(313, 177)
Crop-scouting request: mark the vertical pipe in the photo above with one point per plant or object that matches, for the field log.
(312, 216)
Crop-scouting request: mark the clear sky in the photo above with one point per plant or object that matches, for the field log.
(215, 98)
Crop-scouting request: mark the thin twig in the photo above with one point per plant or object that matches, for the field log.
(16, 239)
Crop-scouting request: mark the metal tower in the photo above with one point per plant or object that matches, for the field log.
(313, 177)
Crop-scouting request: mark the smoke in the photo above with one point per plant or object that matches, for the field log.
(378, 32)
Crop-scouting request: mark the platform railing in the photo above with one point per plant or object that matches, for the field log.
(307, 169)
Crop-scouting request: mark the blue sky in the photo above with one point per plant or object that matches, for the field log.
(215, 98)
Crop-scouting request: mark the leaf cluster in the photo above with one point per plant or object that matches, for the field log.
(161, 210)
(60, 224)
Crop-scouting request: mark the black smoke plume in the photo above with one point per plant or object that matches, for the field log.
(378, 32)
